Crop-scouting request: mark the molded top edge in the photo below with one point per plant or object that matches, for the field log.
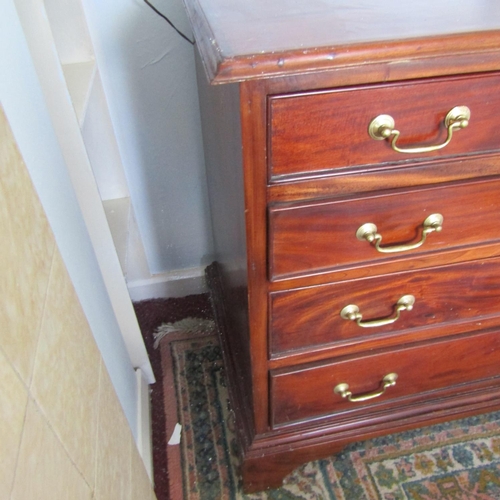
(247, 40)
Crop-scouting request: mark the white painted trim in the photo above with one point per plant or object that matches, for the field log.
(118, 217)
(39, 37)
(79, 79)
(178, 283)
(144, 428)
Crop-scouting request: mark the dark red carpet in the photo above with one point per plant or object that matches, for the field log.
(151, 314)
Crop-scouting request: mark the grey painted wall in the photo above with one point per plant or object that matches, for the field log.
(148, 74)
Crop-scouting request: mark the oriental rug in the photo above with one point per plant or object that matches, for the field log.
(458, 460)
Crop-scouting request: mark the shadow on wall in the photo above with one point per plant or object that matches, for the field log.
(149, 77)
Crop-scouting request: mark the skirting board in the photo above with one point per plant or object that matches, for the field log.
(144, 428)
(173, 284)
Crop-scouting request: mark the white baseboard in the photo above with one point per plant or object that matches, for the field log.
(172, 284)
(144, 430)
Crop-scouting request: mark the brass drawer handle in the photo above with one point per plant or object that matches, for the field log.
(351, 312)
(382, 127)
(369, 233)
(343, 389)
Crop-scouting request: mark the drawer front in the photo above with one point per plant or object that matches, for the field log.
(311, 317)
(322, 236)
(313, 133)
(308, 392)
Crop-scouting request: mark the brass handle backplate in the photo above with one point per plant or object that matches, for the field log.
(369, 233)
(351, 312)
(383, 127)
(343, 389)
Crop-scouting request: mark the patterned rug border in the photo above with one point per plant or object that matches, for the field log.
(351, 475)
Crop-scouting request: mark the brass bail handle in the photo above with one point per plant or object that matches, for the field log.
(369, 233)
(343, 389)
(383, 127)
(351, 313)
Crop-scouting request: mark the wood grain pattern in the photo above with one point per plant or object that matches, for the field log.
(314, 237)
(329, 130)
(310, 317)
(252, 104)
(241, 41)
(305, 86)
(295, 444)
(307, 392)
(342, 183)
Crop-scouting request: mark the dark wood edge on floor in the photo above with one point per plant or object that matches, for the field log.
(238, 405)
(266, 467)
(267, 459)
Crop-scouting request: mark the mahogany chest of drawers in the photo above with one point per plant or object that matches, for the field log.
(353, 163)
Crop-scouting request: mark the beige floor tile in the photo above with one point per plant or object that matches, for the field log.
(27, 245)
(141, 485)
(66, 374)
(114, 445)
(14, 397)
(44, 470)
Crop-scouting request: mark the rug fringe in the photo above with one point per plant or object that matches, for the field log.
(192, 326)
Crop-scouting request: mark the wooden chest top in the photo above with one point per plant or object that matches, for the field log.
(239, 40)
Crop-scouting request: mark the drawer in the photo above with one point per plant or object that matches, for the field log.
(311, 317)
(315, 237)
(317, 132)
(422, 371)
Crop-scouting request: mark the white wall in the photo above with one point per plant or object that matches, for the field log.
(148, 75)
(26, 111)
